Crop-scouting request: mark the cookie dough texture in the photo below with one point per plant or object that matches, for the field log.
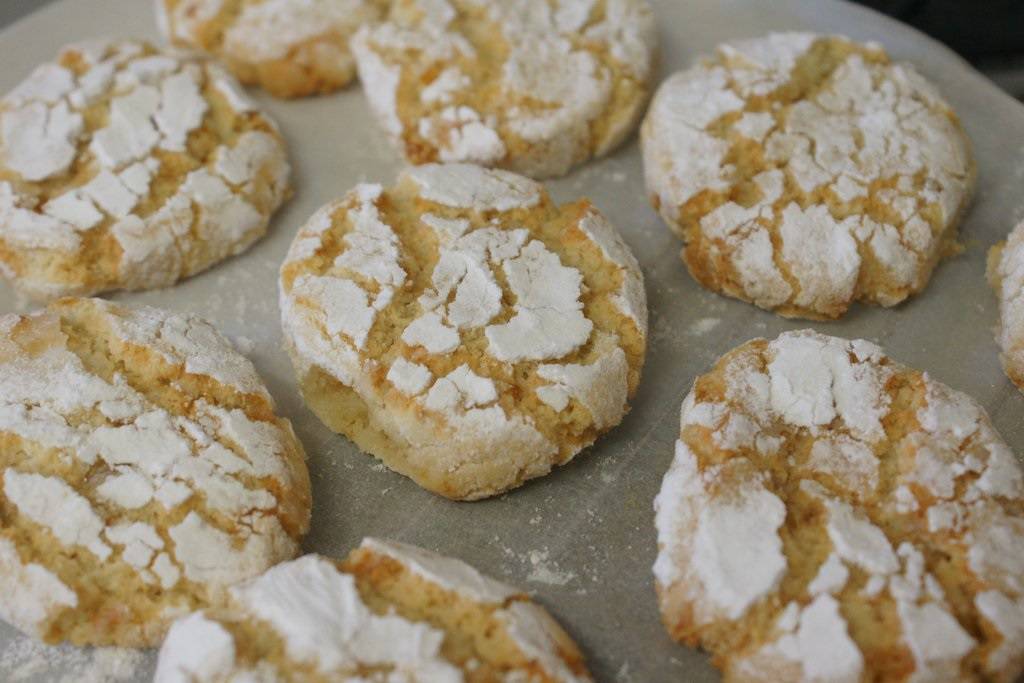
(831, 515)
(122, 167)
(142, 471)
(532, 86)
(1006, 275)
(291, 48)
(463, 328)
(390, 612)
(806, 172)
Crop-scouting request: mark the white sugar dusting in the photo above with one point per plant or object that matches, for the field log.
(702, 326)
(544, 570)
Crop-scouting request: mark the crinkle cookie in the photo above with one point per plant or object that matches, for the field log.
(291, 48)
(806, 172)
(142, 471)
(831, 515)
(463, 328)
(122, 167)
(532, 86)
(390, 612)
(1006, 275)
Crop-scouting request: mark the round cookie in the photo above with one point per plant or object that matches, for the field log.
(1006, 275)
(389, 612)
(463, 328)
(806, 172)
(122, 167)
(142, 471)
(831, 515)
(290, 48)
(532, 86)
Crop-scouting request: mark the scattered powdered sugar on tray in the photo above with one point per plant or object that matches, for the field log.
(24, 660)
(703, 326)
(542, 569)
(547, 571)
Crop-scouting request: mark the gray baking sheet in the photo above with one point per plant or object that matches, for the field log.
(582, 539)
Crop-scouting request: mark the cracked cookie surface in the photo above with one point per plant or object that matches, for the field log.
(122, 167)
(532, 86)
(807, 172)
(463, 328)
(290, 48)
(390, 612)
(833, 515)
(1006, 275)
(142, 471)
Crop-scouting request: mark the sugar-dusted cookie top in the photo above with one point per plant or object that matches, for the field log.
(831, 515)
(532, 86)
(806, 172)
(1006, 275)
(142, 471)
(462, 327)
(390, 612)
(123, 167)
(291, 48)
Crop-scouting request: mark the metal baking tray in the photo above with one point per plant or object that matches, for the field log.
(582, 539)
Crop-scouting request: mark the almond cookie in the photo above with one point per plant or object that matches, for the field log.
(142, 471)
(831, 515)
(463, 328)
(532, 86)
(122, 167)
(806, 172)
(1006, 275)
(390, 612)
(291, 48)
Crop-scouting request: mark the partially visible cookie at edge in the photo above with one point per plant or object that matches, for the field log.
(1006, 275)
(462, 327)
(832, 515)
(806, 172)
(290, 48)
(390, 611)
(530, 86)
(124, 167)
(142, 471)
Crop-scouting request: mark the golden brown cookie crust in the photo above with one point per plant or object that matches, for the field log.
(290, 48)
(150, 168)
(531, 86)
(396, 610)
(463, 328)
(142, 471)
(807, 172)
(833, 515)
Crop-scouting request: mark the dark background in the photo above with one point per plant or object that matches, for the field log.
(974, 28)
(989, 33)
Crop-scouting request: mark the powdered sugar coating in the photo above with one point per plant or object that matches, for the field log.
(110, 466)
(196, 649)
(566, 79)
(314, 607)
(1006, 275)
(124, 114)
(291, 47)
(737, 553)
(463, 186)
(875, 469)
(31, 593)
(876, 171)
(451, 574)
(397, 285)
